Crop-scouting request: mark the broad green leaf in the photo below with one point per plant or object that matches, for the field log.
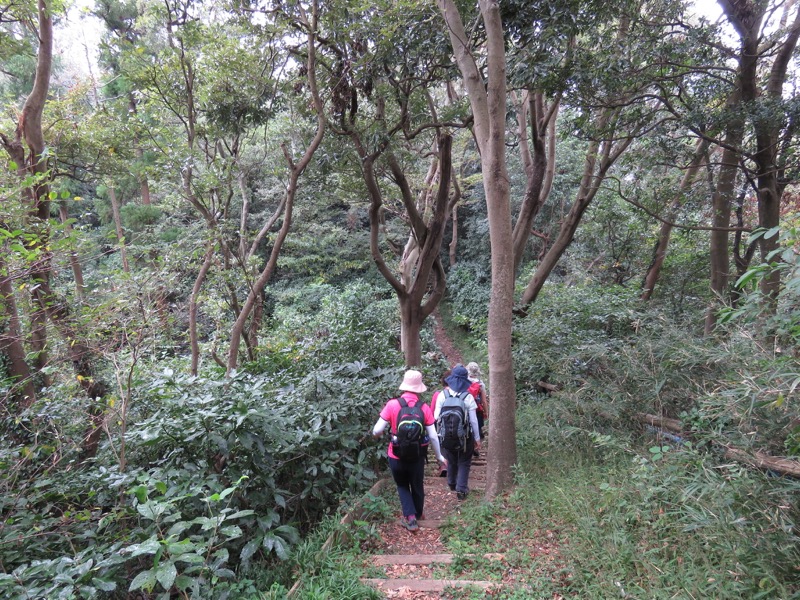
(240, 514)
(190, 558)
(182, 547)
(140, 491)
(152, 510)
(149, 547)
(166, 575)
(231, 531)
(225, 573)
(104, 584)
(182, 582)
(249, 549)
(747, 277)
(146, 580)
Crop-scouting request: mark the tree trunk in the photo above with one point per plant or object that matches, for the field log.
(488, 102)
(47, 305)
(536, 164)
(77, 272)
(29, 128)
(748, 18)
(144, 185)
(770, 189)
(118, 225)
(245, 213)
(721, 198)
(198, 284)
(421, 269)
(255, 326)
(295, 172)
(23, 392)
(411, 250)
(410, 325)
(593, 176)
(454, 240)
(660, 253)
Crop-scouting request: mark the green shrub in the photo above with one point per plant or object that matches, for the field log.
(137, 217)
(232, 471)
(322, 325)
(468, 293)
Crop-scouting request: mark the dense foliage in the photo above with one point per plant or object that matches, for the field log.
(218, 473)
(195, 340)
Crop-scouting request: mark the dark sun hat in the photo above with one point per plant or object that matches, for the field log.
(458, 380)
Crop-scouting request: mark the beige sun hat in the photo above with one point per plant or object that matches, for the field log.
(412, 382)
(474, 370)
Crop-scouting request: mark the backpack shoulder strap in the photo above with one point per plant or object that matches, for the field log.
(449, 394)
(402, 402)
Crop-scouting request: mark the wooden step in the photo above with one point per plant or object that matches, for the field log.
(427, 559)
(426, 585)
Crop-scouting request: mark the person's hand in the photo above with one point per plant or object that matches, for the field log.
(442, 461)
(477, 445)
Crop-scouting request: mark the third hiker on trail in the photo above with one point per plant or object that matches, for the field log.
(411, 424)
(459, 434)
(478, 390)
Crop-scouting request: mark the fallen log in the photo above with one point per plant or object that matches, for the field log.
(548, 387)
(673, 425)
(754, 458)
(784, 466)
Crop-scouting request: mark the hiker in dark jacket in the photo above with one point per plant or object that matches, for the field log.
(409, 474)
(459, 460)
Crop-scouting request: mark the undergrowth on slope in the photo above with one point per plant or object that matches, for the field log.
(645, 512)
(657, 521)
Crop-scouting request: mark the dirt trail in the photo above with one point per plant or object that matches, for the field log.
(451, 354)
(411, 564)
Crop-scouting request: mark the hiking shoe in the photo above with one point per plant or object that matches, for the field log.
(409, 523)
(461, 495)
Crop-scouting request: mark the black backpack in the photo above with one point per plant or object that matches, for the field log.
(453, 422)
(408, 442)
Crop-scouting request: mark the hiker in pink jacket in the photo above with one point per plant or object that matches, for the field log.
(411, 425)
